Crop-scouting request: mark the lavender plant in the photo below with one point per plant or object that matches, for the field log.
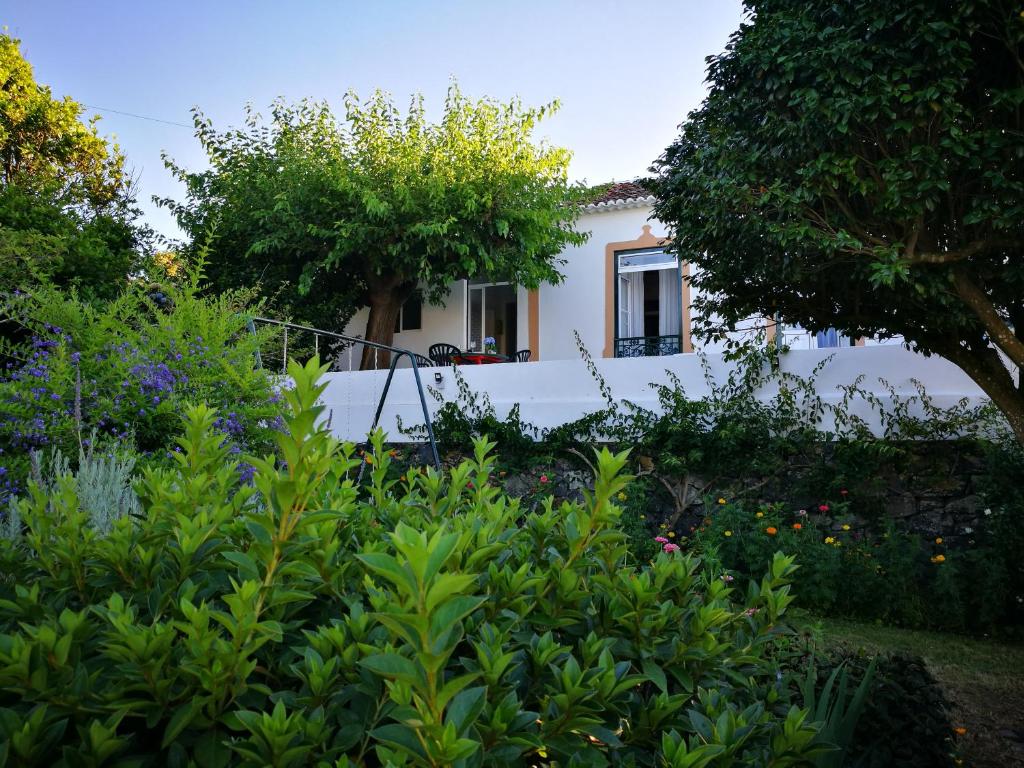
(90, 378)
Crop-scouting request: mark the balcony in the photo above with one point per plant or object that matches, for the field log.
(647, 346)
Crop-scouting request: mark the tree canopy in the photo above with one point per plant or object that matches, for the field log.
(328, 216)
(860, 165)
(66, 208)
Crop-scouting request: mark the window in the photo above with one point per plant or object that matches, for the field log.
(410, 316)
(649, 303)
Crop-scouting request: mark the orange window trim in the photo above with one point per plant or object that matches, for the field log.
(646, 240)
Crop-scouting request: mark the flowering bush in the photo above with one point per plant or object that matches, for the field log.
(874, 573)
(305, 620)
(123, 373)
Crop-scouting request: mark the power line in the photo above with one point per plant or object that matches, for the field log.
(140, 117)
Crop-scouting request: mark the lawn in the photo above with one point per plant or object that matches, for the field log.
(983, 679)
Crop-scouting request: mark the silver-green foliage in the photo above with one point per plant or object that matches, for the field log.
(103, 486)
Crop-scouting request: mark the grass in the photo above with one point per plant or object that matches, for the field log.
(982, 677)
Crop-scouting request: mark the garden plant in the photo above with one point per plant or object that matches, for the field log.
(305, 620)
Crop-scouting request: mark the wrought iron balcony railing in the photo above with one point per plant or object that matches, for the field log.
(647, 346)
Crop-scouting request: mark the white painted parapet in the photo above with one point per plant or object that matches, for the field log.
(551, 393)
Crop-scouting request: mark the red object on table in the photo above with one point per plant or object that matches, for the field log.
(478, 358)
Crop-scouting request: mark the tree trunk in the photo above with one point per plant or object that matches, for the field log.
(385, 297)
(989, 372)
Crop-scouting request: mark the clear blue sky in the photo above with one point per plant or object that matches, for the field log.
(626, 72)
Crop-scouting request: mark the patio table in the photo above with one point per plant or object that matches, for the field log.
(478, 358)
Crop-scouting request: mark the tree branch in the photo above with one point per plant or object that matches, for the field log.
(949, 257)
(998, 330)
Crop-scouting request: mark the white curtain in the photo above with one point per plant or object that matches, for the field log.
(669, 302)
(636, 308)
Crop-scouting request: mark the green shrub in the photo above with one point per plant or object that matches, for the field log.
(121, 374)
(305, 620)
(904, 722)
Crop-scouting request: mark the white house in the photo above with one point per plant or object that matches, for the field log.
(623, 294)
(626, 297)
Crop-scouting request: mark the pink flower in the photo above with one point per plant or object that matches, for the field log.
(727, 578)
(661, 539)
(670, 547)
(844, 492)
(823, 508)
(543, 478)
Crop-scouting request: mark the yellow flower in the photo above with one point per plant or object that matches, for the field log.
(621, 496)
(759, 514)
(671, 534)
(938, 540)
(829, 540)
(728, 533)
(939, 559)
(721, 501)
(846, 527)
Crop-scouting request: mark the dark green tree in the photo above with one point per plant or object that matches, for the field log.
(860, 165)
(67, 213)
(328, 216)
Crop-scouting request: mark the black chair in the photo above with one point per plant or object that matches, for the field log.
(441, 354)
(423, 362)
(522, 356)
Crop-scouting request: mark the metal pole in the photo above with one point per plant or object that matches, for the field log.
(252, 330)
(426, 413)
(380, 406)
(284, 356)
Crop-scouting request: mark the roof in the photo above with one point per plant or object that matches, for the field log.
(623, 194)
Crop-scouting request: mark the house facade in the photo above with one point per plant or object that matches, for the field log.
(622, 293)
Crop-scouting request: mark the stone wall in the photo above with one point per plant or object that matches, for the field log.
(929, 488)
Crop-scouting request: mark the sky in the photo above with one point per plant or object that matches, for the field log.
(626, 73)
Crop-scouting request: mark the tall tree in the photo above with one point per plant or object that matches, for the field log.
(364, 211)
(67, 214)
(860, 165)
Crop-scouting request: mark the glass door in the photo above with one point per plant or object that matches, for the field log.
(492, 313)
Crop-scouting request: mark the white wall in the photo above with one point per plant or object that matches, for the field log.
(558, 391)
(578, 303)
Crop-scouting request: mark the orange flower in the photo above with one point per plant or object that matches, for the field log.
(939, 559)
(771, 530)
(797, 526)
(960, 730)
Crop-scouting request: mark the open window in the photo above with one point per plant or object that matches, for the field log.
(410, 316)
(648, 320)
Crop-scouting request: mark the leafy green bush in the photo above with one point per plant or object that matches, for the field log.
(305, 620)
(122, 373)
